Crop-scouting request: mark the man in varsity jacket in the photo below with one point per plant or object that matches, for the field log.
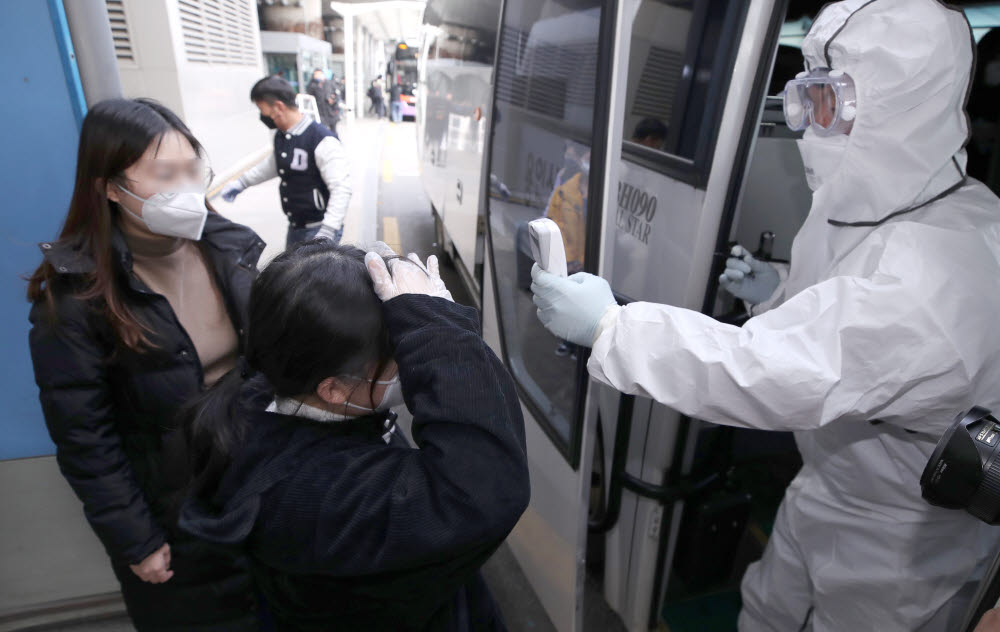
(312, 164)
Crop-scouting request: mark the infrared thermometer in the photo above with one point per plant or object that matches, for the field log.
(547, 246)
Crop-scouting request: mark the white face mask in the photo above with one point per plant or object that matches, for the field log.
(821, 156)
(391, 397)
(180, 213)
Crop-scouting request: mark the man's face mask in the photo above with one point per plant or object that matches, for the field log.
(268, 122)
(822, 156)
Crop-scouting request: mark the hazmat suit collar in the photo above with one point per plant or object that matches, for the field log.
(911, 62)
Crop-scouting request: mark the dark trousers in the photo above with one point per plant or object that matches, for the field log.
(209, 591)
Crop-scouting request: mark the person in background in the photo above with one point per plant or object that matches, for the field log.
(137, 307)
(568, 208)
(315, 173)
(377, 97)
(297, 461)
(395, 102)
(650, 132)
(326, 100)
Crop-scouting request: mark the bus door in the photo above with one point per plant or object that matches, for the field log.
(685, 105)
(545, 158)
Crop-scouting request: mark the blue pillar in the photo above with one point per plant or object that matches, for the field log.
(42, 109)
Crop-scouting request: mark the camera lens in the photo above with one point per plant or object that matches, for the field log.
(964, 470)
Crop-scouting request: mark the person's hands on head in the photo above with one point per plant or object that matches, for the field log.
(231, 190)
(576, 308)
(155, 569)
(749, 278)
(404, 276)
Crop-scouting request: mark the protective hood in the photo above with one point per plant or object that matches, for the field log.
(911, 61)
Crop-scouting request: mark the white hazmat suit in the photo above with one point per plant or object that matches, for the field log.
(889, 314)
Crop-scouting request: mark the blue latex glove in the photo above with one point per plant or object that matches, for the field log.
(572, 307)
(231, 190)
(747, 278)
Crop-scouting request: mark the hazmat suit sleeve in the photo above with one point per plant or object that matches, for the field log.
(874, 345)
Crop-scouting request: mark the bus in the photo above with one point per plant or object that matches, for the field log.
(403, 72)
(661, 119)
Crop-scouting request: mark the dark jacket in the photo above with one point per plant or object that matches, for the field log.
(323, 93)
(304, 193)
(348, 533)
(112, 413)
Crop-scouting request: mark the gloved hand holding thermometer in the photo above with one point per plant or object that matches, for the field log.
(547, 246)
(577, 308)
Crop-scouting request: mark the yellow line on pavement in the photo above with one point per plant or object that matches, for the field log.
(390, 233)
(386, 170)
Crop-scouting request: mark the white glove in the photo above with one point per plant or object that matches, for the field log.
(748, 278)
(576, 308)
(404, 276)
(232, 189)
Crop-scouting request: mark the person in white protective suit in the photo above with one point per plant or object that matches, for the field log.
(882, 330)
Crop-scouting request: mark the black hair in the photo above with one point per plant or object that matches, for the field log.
(650, 128)
(273, 89)
(313, 314)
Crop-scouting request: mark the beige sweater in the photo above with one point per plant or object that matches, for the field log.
(176, 269)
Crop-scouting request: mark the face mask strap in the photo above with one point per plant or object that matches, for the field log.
(125, 208)
(143, 200)
(379, 382)
(387, 383)
(364, 408)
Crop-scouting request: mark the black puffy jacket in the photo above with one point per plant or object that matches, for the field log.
(113, 415)
(348, 533)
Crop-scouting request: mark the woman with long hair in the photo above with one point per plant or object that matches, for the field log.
(297, 462)
(138, 306)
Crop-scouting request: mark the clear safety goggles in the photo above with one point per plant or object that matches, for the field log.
(822, 98)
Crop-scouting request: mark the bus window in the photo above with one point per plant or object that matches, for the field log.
(546, 83)
(984, 145)
(679, 62)
(672, 73)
